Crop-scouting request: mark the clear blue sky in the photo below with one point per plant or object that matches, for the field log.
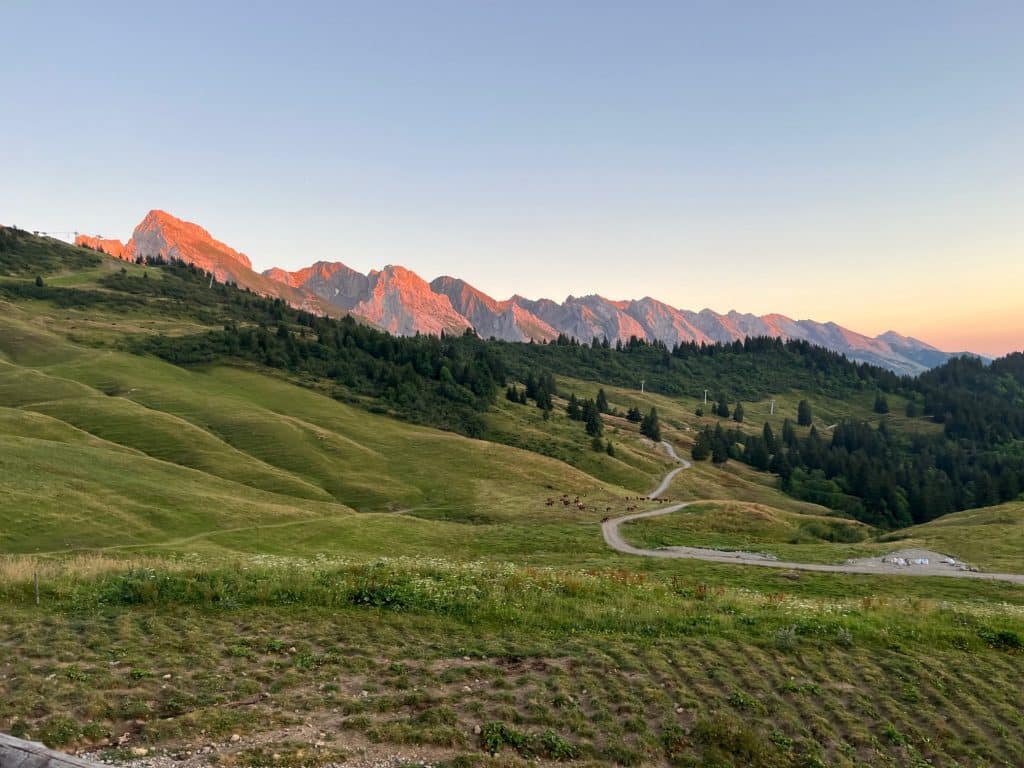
(860, 162)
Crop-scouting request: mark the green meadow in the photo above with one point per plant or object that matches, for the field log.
(228, 550)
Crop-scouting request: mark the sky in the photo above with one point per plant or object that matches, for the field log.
(856, 162)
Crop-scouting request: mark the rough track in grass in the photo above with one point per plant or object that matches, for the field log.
(868, 565)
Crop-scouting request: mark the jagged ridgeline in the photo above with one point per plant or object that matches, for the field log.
(881, 474)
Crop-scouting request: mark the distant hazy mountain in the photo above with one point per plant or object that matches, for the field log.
(400, 301)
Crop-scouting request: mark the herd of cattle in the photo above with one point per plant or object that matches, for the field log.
(582, 507)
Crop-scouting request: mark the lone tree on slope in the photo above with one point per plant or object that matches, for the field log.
(649, 426)
(804, 417)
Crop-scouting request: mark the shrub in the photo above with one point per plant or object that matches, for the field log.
(1001, 639)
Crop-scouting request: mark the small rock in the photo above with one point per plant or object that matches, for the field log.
(167, 676)
(235, 738)
(476, 729)
(140, 751)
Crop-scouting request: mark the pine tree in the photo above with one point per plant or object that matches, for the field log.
(788, 434)
(757, 453)
(649, 426)
(769, 438)
(881, 404)
(634, 415)
(780, 466)
(572, 410)
(595, 428)
(722, 409)
(719, 445)
(804, 417)
(737, 413)
(702, 446)
(602, 401)
(543, 399)
(531, 386)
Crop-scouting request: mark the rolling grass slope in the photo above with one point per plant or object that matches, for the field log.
(300, 565)
(991, 538)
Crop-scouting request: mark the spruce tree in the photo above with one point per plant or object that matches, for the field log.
(737, 413)
(602, 401)
(649, 426)
(595, 428)
(719, 445)
(572, 410)
(804, 417)
(757, 454)
(788, 434)
(769, 438)
(702, 446)
(531, 386)
(881, 404)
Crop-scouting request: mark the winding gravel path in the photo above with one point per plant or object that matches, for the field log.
(869, 565)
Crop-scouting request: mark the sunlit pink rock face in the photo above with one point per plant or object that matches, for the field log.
(400, 301)
(160, 234)
(108, 246)
(334, 282)
(505, 320)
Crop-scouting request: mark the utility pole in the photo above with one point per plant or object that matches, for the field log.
(773, 408)
(705, 397)
(642, 386)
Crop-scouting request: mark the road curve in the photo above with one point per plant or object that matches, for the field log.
(613, 537)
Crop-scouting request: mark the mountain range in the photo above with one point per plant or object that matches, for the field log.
(400, 301)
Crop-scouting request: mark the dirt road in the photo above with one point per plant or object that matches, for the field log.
(886, 564)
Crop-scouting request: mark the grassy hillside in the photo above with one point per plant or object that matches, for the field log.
(991, 538)
(244, 549)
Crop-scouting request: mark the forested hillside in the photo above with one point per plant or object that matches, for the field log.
(881, 474)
